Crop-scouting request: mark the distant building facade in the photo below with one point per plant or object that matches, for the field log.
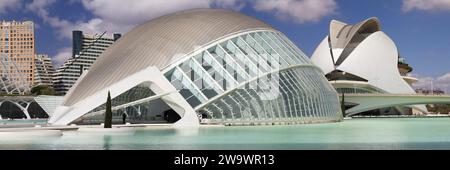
(430, 92)
(17, 45)
(85, 50)
(44, 70)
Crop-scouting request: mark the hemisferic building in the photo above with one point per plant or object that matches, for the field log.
(204, 66)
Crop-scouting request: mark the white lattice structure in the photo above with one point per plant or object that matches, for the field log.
(9, 84)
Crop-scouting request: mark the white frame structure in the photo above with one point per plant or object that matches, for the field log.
(7, 84)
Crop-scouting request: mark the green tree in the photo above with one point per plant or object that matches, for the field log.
(108, 113)
(43, 90)
(343, 104)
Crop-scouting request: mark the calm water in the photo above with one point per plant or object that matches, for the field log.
(22, 121)
(383, 133)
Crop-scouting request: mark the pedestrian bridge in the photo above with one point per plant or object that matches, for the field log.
(372, 101)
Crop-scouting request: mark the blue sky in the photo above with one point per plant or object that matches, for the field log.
(419, 27)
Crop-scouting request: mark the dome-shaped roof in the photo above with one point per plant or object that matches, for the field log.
(159, 43)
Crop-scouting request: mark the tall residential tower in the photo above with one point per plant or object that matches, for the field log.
(85, 50)
(44, 70)
(18, 50)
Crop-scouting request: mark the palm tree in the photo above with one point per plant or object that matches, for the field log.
(108, 113)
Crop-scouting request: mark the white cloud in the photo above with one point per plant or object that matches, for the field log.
(121, 16)
(116, 16)
(118, 11)
(64, 27)
(62, 56)
(300, 11)
(441, 82)
(426, 5)
(9, 5)
(229, 4)
(39, 7)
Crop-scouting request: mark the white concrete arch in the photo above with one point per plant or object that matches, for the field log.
(18, 105)
(158, 84)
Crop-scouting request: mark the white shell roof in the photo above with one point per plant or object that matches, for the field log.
(159, 43)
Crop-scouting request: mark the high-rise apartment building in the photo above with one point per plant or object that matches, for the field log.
(18, 49)
(44, 70)
(85, 50)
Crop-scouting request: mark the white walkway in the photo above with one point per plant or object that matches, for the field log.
(366, 102)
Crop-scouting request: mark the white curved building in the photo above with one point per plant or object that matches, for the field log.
(361, 58)
(203, 66)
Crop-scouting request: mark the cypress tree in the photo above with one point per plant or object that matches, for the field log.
(343, 104)
(108, 113)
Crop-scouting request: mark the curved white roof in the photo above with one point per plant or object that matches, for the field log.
(365, 51)
(159, 43)
(373, 56)
(341, 33)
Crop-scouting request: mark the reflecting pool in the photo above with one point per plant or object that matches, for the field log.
(374, 133)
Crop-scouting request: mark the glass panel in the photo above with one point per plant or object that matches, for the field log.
(274, 64)
(259, 61)
(322, 93)
(306, 93)
(268, 48)
(216, 71)
(185, 86)
(302, 56)
(299, 93)
(310, 92)
(243, 61)
(280, 48)
(201, 78)
(228, 64)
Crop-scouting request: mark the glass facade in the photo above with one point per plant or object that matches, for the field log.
(255, 77)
